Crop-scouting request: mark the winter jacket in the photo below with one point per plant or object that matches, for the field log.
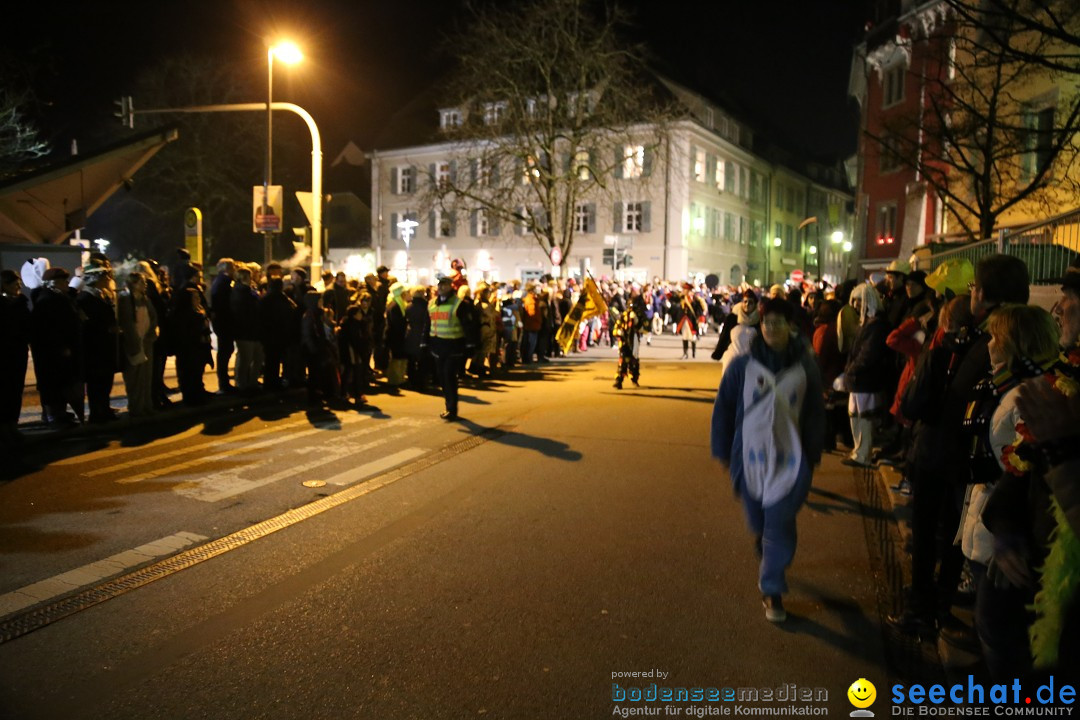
(244, 307)
(867, 369)
(908, 340)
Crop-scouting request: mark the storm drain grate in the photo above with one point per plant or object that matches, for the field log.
(908, 657)
(34, 619)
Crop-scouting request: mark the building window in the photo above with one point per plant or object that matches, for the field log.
(729, 227)
(789, 238)
(633, 161)
(779, 235)
(790, 199)
(699, 166)
(1039, 140)
(779, 197)
(731, 170)
(742, 230)
(633, 215)
(494, 112)
(581, 165)
(889, 158)
(442, 175)
(719, 174)
(581, 218)
(406, 180)
(482, 225)
(531, 171)
(886, 224)
(744, 186)
(892, 85)
(449, 119)
(442, 223)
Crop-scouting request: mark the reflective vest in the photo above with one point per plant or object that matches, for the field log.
(444, 320)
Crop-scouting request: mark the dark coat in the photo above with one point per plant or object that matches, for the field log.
(221, 314)
(417, 320)
(244, 310)
(56, 338)
(101, 335)
(279, 320)
(867, 367)
(396, 330)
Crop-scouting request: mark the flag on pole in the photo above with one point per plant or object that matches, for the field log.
(589, 304)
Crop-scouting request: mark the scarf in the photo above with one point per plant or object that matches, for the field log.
(745, 318)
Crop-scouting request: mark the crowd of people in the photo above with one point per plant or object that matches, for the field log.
(972, 394)
(952, 378)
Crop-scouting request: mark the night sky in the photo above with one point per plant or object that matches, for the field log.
(784, 65)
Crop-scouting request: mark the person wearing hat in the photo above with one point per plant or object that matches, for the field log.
(1067, 309)
(56, 347)
(101, 340)
(446, 341)
(894, 300)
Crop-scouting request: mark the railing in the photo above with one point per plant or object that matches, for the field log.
(1047, 247)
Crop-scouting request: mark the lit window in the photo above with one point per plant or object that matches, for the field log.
(531, 170)
(633, 161)
(632, 217)
(443, 224)
(886, 224)
(442, 175)
(699, 166)
(719, 174)
(481, 223)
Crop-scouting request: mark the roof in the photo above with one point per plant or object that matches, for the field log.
(48, 204)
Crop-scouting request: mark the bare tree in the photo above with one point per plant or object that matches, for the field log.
(1055, 21)
(19, 138)
(553, 106)
(994, 130)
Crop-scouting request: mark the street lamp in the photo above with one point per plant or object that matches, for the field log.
(289, 54)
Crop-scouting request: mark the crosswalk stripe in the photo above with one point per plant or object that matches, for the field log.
(228, 483)
(375, 467)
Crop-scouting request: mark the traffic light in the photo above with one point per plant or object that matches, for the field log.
(125, 111)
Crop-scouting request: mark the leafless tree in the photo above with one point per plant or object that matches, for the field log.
(553, 104)
(994, 129)
(19, 139)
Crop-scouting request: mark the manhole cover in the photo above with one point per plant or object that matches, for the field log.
(314, 483)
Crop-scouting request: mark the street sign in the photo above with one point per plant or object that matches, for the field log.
(797, 276)
(556, 256)
(193, 233)
(271, 220)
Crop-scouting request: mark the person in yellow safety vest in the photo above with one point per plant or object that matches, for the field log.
(446, 341)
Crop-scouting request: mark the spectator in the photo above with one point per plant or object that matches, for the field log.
(830, 365)
(101, 341)
(396, 329)
(15, 328)
(416, 317)
(748, 310)
(221, 319)
(278, 330)
(354, 343)
(244, 311)
(191, 332)
(138, 331)
(320, 352)
(56, 346)
(865, 374)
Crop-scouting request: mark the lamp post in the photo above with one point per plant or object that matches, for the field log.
(288, 53)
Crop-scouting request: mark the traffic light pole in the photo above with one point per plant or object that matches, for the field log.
(316, 161)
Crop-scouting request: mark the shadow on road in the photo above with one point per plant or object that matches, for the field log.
(657, 396)
(857, 627)
(841, 504)
(545, 446)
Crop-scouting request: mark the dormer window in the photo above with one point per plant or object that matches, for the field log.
(494, 112)
(449, 119)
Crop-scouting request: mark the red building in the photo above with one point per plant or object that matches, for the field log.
(904, 54)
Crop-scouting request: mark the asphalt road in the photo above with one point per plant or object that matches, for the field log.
(509, 566)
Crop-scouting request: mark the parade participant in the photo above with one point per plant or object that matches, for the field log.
(767, 431)
(628, 330)
(692, 316)
(446, 341)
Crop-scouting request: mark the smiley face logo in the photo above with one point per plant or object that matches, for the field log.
(862, 693)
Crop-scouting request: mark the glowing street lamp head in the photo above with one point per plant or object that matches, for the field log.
(287, 53)
(777, 242)
(837, 237)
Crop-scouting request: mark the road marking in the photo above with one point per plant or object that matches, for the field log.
(374, 467)
(232, 449)
(228, 483)
(94, 572)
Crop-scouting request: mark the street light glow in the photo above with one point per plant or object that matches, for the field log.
(813, 250)
(847, 246)
(837, 237)
(777, 242)
(287, 52)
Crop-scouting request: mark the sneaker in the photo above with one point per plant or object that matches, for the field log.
(617, 385)
(774, 608)
(448, 416)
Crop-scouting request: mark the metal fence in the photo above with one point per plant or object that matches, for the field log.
(1047, 247)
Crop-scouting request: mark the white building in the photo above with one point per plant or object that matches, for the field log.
(697, 203)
